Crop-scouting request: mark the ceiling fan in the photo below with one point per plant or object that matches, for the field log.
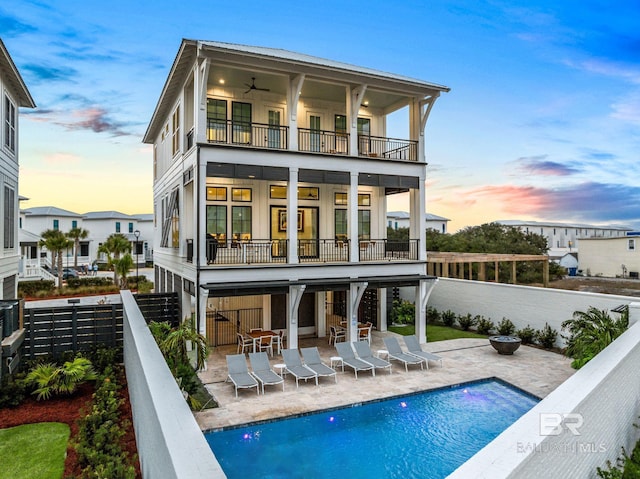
(254, 87)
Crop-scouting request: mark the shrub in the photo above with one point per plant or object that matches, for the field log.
(403, 312)
(13, 390)
(433, 316)
(89, 281)
(31, 288)
(466, 321)
(448, 318)
(546, 337)
(505, 327)
(49, 379)
(484, 325)
(527, 335)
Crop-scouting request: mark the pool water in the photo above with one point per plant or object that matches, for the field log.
(426, 435)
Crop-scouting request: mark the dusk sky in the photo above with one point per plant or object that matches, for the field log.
(542, 121)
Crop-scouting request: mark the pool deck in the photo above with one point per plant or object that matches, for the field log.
(534, 370)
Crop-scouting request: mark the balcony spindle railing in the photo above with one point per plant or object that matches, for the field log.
(258, 135)
(391, 148)
(246, 252)
(388, 250)
(321, 141)
(323, 251)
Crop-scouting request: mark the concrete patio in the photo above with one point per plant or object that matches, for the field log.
(534, 370)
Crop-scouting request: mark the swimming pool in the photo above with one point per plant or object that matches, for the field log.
(422, 435)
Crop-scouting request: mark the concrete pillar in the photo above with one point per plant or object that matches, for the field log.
(321, 314)
(382, 309)
(292, 216)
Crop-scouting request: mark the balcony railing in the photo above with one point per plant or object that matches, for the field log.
(258, 135)
(246, 252)
(388, 250)
(391, 148)
(321, 141)
(323, 251)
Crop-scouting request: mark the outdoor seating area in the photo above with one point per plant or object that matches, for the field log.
(534, 370)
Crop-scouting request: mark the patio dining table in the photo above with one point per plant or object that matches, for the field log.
(256, 335)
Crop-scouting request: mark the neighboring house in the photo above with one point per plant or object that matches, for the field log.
(14, 94)
(400, 219)
(570, 262)
(610, 256)
(564, 238)
(36, 261)
(271, 171)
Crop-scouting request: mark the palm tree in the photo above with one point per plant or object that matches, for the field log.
(591, 332)
(56, 242)
(76, 234)
(113, 247)
(122, 266)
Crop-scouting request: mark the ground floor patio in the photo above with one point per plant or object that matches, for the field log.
(534, 370)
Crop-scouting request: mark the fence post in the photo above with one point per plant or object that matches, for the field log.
(74, 329)
(31, 336)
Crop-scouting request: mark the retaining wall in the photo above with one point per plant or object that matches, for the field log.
(523, 305)
(170, 443)
(602, 403)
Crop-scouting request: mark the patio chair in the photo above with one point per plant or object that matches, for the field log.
(293, 365)
(265, 343)
(336, 335)
(244, 343)
(413, 347)
(363, 350)
(239, 373)
(349, 358)
(253, 330)
(261, 370)
(364, 334)
(312, 360)
(395, 352)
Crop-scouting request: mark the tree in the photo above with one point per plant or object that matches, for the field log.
(401, 234)
(76, 234)
(115, 245)
(591, 332)
(56, 242)
(121, 267)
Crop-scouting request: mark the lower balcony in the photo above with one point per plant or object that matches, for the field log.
(266, 251)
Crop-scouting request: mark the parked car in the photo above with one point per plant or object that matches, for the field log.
(66, 273)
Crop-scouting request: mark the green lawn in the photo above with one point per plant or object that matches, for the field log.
(33, 450)
(436, 332)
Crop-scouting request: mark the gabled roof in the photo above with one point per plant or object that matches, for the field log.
(104, 215)
(11, 76)
(25, 236)
(144, 217)
(50, 211)
(562, 225)
(274, 59)
(432, 217)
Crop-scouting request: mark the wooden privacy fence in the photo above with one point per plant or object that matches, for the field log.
(53, 331)
(160, 307)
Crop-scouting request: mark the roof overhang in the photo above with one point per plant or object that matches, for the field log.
(246, 288)
(13, 78)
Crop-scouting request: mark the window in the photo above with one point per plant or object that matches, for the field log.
(241, 122)
(341, 124)
(278, 192)
(56, 224)
(364, 126)
(9, 124)
(9, 217)
(340, 198)
(241, 194)
(175, 132)
(217, 223)
(217, 120)
(364, 200)
(130, 227)
(631, 245)
(216, 193)
(241, 223)
(74, 224)
(274, 140)
(364, 224)
(117, 227)
(341, 224)
(308, 193)
(84, 249)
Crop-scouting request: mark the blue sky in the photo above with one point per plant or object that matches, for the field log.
(542, 121)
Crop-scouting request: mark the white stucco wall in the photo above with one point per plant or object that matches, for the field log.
(603, 401)
(605, 256)
(170, 443)
(523, 305)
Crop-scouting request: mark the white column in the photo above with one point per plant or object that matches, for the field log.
(293, 301)
(418, 222)
(200, 79)
(423, 291)
(352, 204)
(382, 309)
(202, 304)
(356, 290)
(294, 87)
(292, 216)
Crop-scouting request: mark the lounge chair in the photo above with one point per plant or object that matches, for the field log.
(413, 347)
(262, 371)
(239, 373)
(395, 352)
(363, 350)
(294, 366)
(312, 360)
(345, 351)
